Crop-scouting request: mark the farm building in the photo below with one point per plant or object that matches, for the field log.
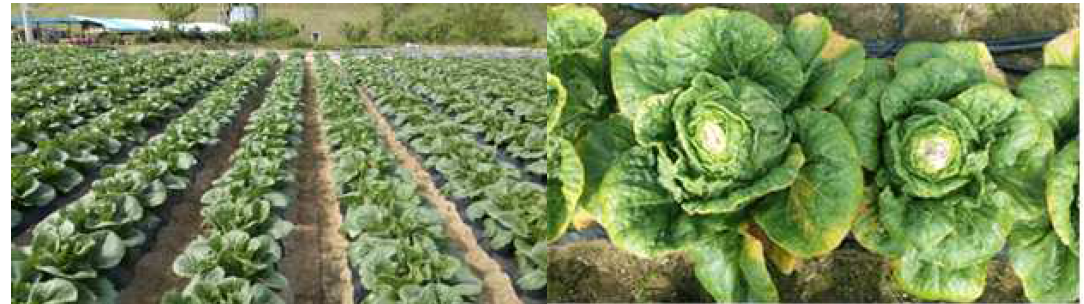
(76, 29)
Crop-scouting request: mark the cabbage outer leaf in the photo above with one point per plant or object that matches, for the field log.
(1061, 190)
(732, 268)
(814, 215)
(1055, 94)
(1046, 267)
(571, 28)
(563, 188)
(928, 280)
(1064, 50)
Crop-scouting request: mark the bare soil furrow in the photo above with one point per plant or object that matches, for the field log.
(316, 218)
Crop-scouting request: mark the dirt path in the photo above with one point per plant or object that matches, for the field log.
(315, 214)
(497, 285)
(153, 274)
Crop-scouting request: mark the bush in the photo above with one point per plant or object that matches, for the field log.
(264, 30)
(354, 32)
(482, 23)
(457, 24)
(420, 28)
(519, 36)
(299, 43)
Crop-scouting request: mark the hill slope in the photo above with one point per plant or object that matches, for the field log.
(311, 17)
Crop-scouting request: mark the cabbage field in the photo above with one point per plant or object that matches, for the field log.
(754, 152)
(192, 177)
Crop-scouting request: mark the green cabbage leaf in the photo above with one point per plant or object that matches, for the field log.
(1044, 252)
(961, 158)
(722, 128)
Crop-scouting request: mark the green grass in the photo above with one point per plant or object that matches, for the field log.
(323, 18)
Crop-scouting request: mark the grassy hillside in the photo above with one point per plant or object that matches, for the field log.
(324, 18)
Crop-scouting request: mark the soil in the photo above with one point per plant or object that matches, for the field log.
(596, 271)
(153, 274)
(316, 218)
(497, 287)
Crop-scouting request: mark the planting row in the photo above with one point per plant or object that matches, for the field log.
(507, 111)
(235, 260)
(76, 253)
(33, 66)
(119, 75)
(398, 250)
(59, 161)
(42, 119)
(508, 210)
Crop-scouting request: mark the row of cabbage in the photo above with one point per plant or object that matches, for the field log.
(235, 260)
(740, 142)
(58, 162)
(117, 74)
(398, 248)
(498, 99)
(37, 119)
(36, 61)
(74, 252)
(32, 66)
(508, 208)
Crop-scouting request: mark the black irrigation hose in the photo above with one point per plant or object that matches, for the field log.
(888, 48)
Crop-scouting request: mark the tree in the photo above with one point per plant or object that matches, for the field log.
(354, 32)
(177, 13)
(482, 22)
(388, 13)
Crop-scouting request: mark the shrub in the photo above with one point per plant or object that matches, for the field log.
(354, 32)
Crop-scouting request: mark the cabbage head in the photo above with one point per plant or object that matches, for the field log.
(724, 149)
(962, 159)
(1044, 253)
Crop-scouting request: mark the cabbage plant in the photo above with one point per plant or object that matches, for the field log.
(961, 159)
(216, 287)
(720, 146)
(50, 291)
(62, 266)
(1044, 253)
(235, 251)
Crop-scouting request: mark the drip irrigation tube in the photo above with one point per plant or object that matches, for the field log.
(888, 47)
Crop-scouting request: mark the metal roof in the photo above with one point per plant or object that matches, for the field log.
(121, 25)
(144, 25)
(18, 20)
